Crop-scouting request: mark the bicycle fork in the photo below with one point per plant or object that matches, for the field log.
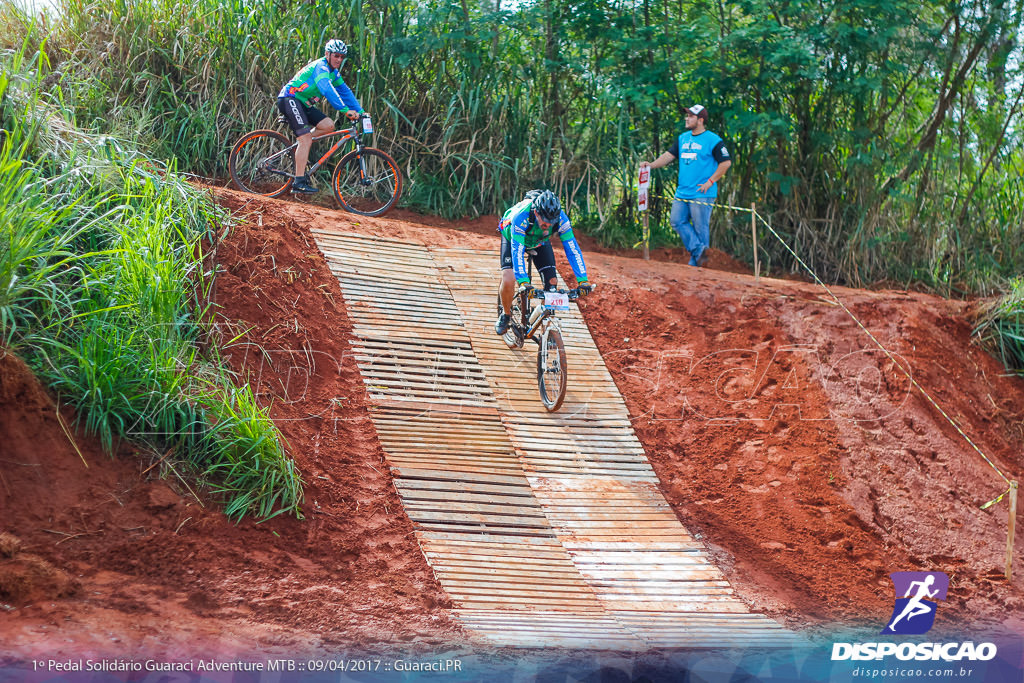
(547, 362)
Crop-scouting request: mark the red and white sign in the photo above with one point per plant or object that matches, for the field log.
(645, 181)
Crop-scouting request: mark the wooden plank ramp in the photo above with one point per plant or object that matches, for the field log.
(545, 529)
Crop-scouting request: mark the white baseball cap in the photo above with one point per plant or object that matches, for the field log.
(699, 111)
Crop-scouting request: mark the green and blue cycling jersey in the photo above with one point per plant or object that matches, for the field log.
(317, 79)
(522, 231)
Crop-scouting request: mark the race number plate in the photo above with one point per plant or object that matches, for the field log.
(367, 126)
(556, 301)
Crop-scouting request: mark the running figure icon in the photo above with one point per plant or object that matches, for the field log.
(917, 596)
(915, 607)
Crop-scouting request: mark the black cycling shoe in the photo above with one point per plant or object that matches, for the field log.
(302, 184)
(501, 327)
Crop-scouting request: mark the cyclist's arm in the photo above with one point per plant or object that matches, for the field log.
(517, 232)
(348, 97)
(573, 253)
(342, 97)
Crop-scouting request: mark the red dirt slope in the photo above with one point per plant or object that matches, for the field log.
(782, 434)
(804, 461)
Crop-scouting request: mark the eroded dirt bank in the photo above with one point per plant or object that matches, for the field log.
(143, 568)
(802, 453)
(801, 456)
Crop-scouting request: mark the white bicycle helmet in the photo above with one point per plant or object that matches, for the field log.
(336, 46)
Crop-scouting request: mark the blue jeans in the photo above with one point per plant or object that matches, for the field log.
(693, 223)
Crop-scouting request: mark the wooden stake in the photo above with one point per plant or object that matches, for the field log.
(753, 234)
(1011, 525)
(647, 235)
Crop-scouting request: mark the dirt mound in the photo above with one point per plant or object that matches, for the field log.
(28, 578)
(800, 455)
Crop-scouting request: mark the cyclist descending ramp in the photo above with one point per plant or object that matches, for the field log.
(546, 529)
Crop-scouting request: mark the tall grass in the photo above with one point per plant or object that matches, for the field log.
(35, 256)
(478, 105)
(102, 290)
(1001, 326)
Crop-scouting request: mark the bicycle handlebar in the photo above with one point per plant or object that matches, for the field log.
(574, 293)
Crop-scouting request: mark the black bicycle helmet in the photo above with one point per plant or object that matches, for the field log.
(546, 205)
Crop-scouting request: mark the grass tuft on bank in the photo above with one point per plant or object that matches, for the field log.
(104, 291)
(1001, 326)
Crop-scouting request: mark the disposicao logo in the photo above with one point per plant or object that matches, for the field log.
(914, 612)
(917, 598)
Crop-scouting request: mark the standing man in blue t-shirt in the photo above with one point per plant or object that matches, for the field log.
(703, 160)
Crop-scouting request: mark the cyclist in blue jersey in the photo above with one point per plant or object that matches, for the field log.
(526, 228)
(703, 160)
(319, 78)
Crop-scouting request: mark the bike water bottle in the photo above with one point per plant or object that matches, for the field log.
(537, 311)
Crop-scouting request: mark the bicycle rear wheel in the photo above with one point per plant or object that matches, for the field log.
(552, 373)
(367, 182)
(262, 162)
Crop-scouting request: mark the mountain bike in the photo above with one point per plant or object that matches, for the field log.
(366, 181)
(541, 324)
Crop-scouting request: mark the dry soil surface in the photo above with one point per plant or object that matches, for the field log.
(803, 455)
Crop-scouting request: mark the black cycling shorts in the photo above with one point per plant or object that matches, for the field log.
(543, 258)
(300, 117)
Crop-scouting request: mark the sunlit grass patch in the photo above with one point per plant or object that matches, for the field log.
(103, 292)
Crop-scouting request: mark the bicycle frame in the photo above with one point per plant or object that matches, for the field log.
(524, 304)
(546, 315)
(352, 133)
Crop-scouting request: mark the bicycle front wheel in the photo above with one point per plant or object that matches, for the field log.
(262, 162)
(367, 182)
(552, 373)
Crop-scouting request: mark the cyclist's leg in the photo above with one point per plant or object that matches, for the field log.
(544, 262)
(506, 292)
(298, 118)
(508, 276)
(322, 125)
(295, 113)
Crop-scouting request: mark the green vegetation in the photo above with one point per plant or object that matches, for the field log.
(103, 291)
(883, 140)
(1002, 327)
